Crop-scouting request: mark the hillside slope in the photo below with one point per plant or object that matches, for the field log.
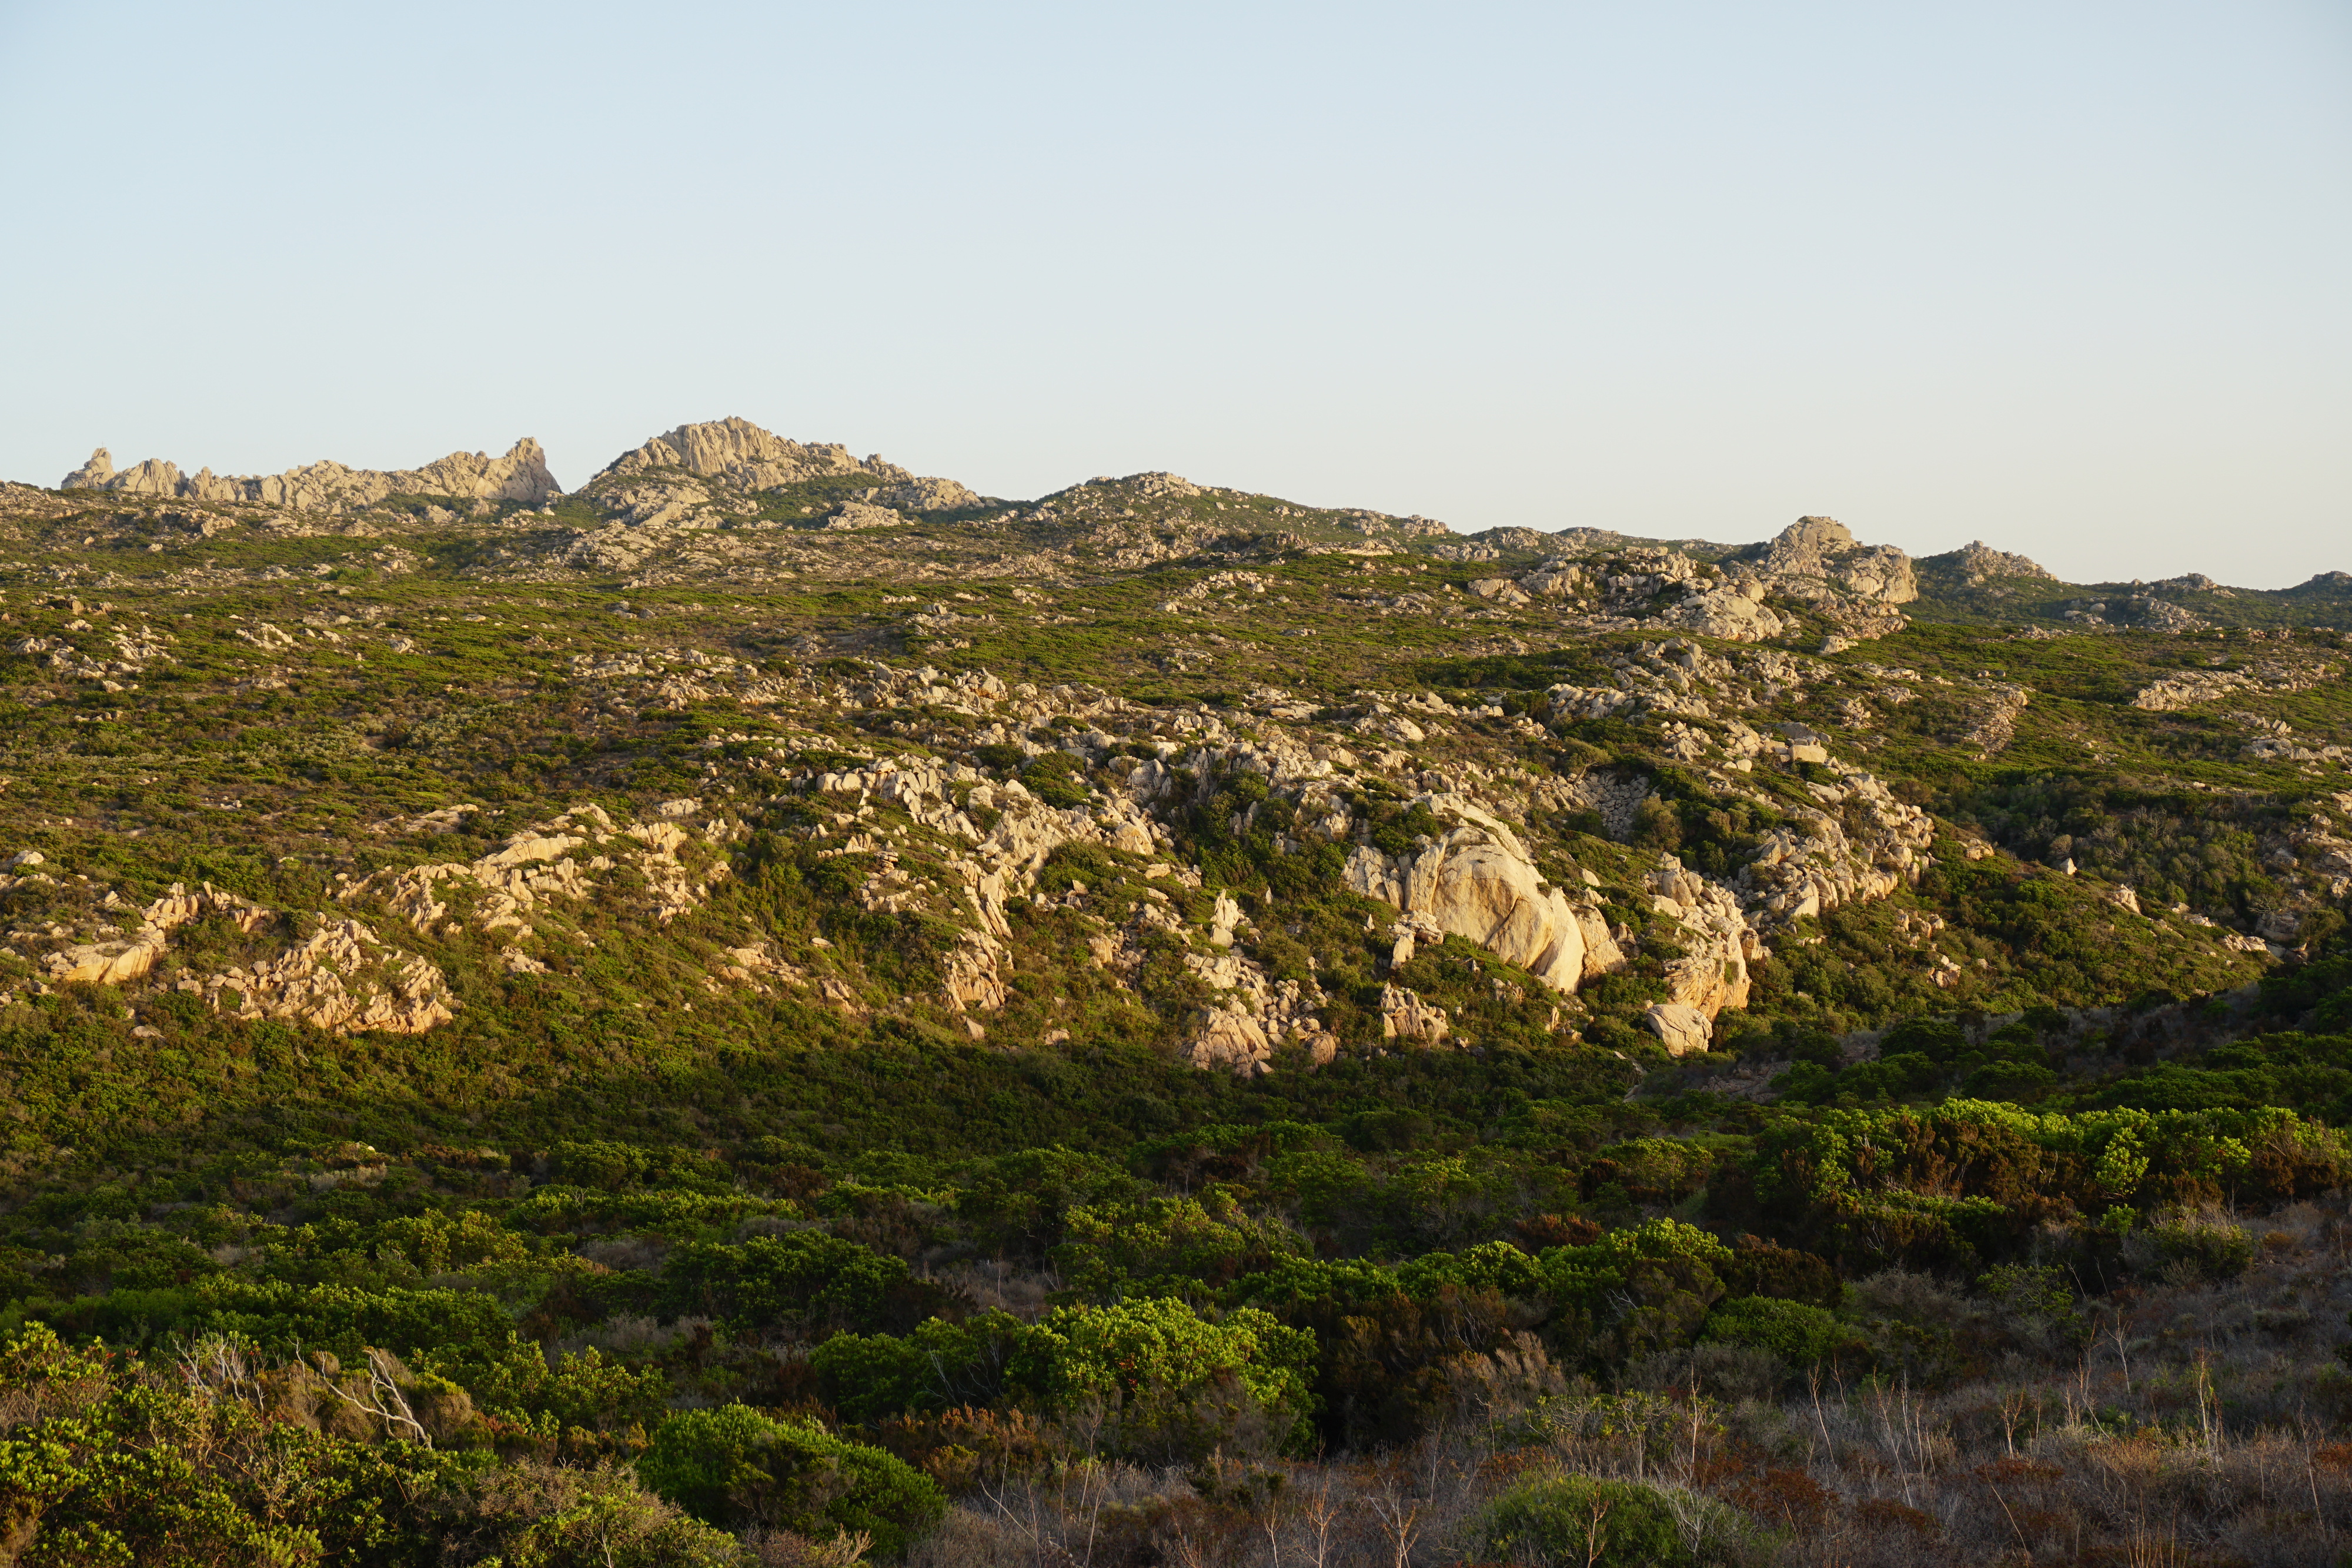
(761, 838)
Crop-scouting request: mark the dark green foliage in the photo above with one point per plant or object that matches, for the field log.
(2169, 845)
(938, 1366)
(1583, 1521)
(735, 1466)
(1798, 1334)
(2309, 1074)
(1055, 777)
(1169, 1385)
(804, 1280)
(1969, 1181)
(117, 1460)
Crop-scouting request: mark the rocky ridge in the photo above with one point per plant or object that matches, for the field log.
(521, 474)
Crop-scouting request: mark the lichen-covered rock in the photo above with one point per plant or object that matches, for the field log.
(541, 864)
(1734, 613)
(1994, 723)
(1500, 590)
(1228, 1037)
(1816, 862)
(851, 516)
(929, 496)
(2175, 693)
(1713, 932)
(1557, 579)
(973, 973)
(1979, 561)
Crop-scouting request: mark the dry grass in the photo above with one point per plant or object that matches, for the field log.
(2202, 1426)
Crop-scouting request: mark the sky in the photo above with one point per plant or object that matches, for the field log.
(2075, 278)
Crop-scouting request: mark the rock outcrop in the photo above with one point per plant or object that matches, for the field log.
(327, 486)
(505, 889)
(1818, 862)
(1821, 548)
(1408, 1016)
(1978, 562)
(747, 456)
(1682, 1029)
(972, 973)
(114, 962)
(929, 496)
(1732, 611)
(342, 979)
(2175, 693)
(1477, 882)
(1252, 1014)
(852, 515)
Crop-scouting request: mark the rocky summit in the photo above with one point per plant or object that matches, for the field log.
(528, 969)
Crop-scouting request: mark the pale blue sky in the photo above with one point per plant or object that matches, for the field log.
(2075, 278)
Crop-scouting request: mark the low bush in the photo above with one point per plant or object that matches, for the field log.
(738, 1469)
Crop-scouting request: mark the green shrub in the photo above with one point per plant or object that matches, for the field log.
(596, 1163)
(1593, 1523)
(806, 1278)
(939, 1366)
(1167, 1246)
(1167, 1382)
(1798, 1333)
(736, 1467)
(568, 1516)
(2202, 1246)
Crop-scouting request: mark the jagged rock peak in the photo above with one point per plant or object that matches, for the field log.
(1977, 560)
(328, 487)
(742, 452)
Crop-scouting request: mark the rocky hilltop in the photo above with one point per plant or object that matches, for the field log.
(747, 456)
(1976, 561)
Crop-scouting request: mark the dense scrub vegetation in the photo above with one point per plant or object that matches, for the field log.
(1482, 1305)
